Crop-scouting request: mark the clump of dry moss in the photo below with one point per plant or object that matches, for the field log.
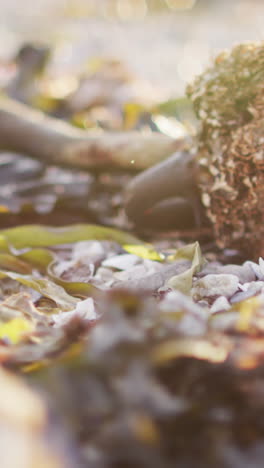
(228, 99)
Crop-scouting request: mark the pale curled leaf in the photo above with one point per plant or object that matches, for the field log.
(183, 281)
(151, 281)
(18, 305)
(85, 310)
(45, 287)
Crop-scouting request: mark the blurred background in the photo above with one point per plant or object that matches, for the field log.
(166, 42)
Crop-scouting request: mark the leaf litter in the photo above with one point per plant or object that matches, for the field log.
(126, 354)
(123, 362)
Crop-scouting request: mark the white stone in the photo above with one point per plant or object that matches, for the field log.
(121, 262)
(221, 303)
(215, 285)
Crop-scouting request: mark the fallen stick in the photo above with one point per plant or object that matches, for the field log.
(30, 132)
(173, 181)
(174, 177)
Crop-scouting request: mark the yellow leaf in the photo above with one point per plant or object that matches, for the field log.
(45, 103)
(132, 113)
(247, 310)
(4, 209)
(15, 329)
(144, 251)
(189, 347)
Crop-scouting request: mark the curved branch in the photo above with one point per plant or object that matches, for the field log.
(23, 130)
(174, 179)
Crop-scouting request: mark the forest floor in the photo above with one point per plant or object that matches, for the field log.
(114, 352)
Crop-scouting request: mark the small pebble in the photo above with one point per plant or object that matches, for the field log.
(249, 290)
(224, 321)
(215, 285)
(220, 304)
(121, 262)
(245, 272)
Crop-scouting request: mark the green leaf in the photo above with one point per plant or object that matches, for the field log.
(45, 287)
(45, 236)
(13, 263)
(180, 108)
(36, 239)
(39, 258)
(4, 247)
(75, 288)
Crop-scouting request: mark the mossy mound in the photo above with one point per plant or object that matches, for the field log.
(228, 99)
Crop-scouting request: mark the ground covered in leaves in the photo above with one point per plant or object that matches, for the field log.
(116, 352)
(135, 356)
